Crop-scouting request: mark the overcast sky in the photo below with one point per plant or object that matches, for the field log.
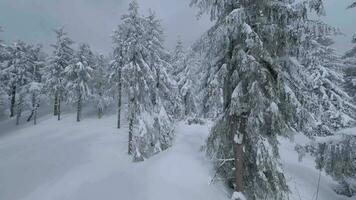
(93, 21)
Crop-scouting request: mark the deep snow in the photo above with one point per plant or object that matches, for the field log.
(67, 160)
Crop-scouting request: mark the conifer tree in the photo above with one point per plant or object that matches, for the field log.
(251, 49)
(35, 86)
(184, 77)
(4, 103)
(18, 77)
(145, 78)
(78, 77)
(100, 87)
(61, 58)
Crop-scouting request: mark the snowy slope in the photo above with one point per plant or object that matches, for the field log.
(302, 177)
(87, 161)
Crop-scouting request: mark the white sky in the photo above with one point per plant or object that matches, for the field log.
(93, 21)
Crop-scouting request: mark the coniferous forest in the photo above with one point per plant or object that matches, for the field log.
(261, 106)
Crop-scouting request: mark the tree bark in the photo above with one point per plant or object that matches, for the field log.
(18, 112)
(59, 107)
(33, 107)
(13, 101)
(119, 103)
(35, 114)
(55, 109)
(131, 124)
(79, 107)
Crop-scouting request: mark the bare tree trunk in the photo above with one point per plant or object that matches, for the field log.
(59, 107)
(13, 101)
(55, 109)
(79, 107)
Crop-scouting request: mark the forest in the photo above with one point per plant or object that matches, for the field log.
(258, 93)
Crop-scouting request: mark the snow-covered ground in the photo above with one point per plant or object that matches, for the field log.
(302, 177)
(67, 160)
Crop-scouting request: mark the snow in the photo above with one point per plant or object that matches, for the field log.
(238, 196)
(67, 160)
(302, 177)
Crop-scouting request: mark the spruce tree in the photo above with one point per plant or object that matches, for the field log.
(183, 75)
(100, 86)
(19, 76)
(250, 51)
(4, 103)
(35, 86)
(145, 78)
(61, 58)
(79, 78)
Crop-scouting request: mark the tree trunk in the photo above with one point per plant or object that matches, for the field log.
(18, 112)
(59, 108)
(55, 109)
(239, 149)
(131, 124)
(35, 114)
(13, 101)
(31, 115)
(79, 107)
(33, 107)
(119, 104)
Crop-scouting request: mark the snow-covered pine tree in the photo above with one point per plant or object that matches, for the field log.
(328, 103)
(183, 76)
(35, 86)
(79, 78)
(250, 51)
(62, 57)
(18, 75)
(115, 75)
(100, 84)
(350, 71)
(335, 152)
(165, 87)
(210, 89)
(3, 95)
(178, 57)
(150, 128)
